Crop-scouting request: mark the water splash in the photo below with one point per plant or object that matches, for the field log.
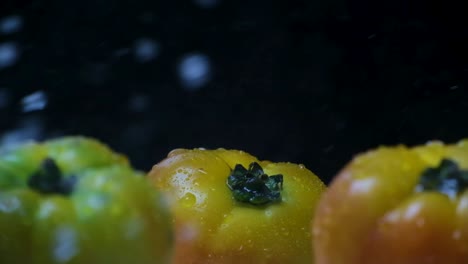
(34, 102)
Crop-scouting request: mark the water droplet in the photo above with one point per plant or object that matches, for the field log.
(34, 102)
(456, 235)
(188, 200)
(96, 201)
(301, 166)
(194, 71)
(65, 244)
(99, 182)
(134, 227)
(9, 54)
(10, 204)
(11, 24)
(146, 50)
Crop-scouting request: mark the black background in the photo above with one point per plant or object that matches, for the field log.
(311, 82)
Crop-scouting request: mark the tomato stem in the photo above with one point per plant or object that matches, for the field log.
(447, 178)
(254, 186)
(50, 180)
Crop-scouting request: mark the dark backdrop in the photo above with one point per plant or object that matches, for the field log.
(311, 82)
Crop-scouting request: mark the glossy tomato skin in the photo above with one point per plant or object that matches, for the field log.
(212, 227)
(373, 213)
(111, 215)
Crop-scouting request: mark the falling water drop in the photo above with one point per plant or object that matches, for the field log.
(146, 50)
(9, 54)
(11, 24)
(194, 71)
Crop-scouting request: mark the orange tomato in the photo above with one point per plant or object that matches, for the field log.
(397, 205)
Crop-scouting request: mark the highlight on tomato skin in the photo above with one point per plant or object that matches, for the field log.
(396, 204)
(230, 207)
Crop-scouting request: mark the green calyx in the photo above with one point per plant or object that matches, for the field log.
(447, 178)
(50, 180)
(253, 186)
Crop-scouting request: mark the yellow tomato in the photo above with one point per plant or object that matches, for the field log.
(229, 207)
